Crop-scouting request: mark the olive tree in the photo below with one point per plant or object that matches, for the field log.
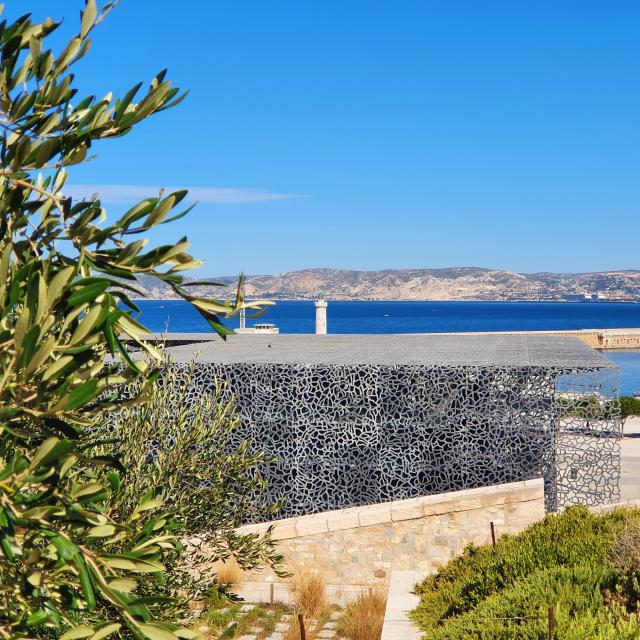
(182, 445)
(67, 565)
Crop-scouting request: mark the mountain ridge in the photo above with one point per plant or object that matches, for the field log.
(446, 283)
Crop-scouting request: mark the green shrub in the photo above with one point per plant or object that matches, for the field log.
(562, 561)
(575, 589)
(625, 551)
(608, 623)
(629, 406)
(588, 407)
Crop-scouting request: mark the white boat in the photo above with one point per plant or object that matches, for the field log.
(259, 327)
(263, 327)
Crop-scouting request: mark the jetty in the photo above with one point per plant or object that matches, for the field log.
(594, 338)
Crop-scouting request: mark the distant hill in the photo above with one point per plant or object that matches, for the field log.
(455, 283)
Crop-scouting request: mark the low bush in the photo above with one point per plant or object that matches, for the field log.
(629, 407)
(564, 562)
(625, 551)
(586, 406)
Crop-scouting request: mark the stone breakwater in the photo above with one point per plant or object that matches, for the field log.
(595, 338)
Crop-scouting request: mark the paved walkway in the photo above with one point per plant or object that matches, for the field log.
(400, 601)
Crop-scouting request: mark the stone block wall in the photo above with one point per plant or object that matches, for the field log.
(358, 547)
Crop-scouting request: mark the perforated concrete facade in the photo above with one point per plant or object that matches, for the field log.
(356, 420)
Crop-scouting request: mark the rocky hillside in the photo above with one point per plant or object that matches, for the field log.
(457, 283)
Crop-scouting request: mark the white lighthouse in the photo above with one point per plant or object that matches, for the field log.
(321, 316)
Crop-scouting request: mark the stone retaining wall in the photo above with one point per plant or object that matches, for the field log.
(595, 338)
(357, 548)
(625, 504)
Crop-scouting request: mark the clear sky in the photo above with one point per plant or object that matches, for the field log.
(370, 134)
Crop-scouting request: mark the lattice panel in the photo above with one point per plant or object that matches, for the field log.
(587, 447)
(353, 435)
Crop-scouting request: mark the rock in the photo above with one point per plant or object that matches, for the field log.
(197, 605)
(380, 573)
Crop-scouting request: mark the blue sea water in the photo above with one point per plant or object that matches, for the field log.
(298, 316)
(629, 364)
(410, 317)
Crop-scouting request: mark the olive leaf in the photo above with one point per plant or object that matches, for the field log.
(68, 562)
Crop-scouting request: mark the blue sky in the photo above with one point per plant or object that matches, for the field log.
(381, 134)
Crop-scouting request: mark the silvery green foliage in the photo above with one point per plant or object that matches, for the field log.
(188, 454)
(68, 564)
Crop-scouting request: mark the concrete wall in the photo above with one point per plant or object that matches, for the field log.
(595, 338)
(608, 338)
(619, 339)
(359, 547)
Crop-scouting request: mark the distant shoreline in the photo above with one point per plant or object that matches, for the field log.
(272, 299)
(454, 284)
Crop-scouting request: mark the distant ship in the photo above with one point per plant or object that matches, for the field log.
(264, 327)
(259, 327)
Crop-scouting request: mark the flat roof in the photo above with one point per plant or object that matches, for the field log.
(489, 350)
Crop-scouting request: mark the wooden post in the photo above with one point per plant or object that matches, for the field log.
(551, 619)
(303, 633)
(493, 534)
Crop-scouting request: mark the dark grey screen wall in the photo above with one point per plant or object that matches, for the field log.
(347, 435)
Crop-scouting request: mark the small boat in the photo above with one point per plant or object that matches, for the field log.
(263, 327)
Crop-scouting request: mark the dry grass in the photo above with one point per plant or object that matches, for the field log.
(363, 618)
(292, 632)
(309, 593)
(229, 572)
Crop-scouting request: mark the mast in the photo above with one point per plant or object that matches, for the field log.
(243, 317)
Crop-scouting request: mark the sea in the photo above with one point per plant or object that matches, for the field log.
(298, 316)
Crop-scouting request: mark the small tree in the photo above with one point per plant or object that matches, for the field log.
(184, 449)
(65, 562)
(629, 406)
